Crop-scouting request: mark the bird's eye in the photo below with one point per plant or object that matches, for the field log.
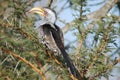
(45, 13)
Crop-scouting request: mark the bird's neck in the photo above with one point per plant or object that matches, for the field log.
(42, 22)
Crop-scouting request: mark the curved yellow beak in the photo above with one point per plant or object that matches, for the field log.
(38, 10)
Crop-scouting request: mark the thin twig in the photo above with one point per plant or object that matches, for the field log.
(50, 3)
(105, 70)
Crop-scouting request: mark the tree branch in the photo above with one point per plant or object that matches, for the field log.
(27, 62)
(102, 11)
(68, 26)
(94, 15)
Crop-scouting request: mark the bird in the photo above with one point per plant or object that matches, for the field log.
(52, 36)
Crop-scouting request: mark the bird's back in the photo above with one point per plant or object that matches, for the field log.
(51, 37)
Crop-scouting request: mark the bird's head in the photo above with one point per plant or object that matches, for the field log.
(47, 14)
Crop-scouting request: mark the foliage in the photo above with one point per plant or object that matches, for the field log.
(93, 54)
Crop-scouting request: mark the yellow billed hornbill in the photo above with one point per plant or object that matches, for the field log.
(52, 36)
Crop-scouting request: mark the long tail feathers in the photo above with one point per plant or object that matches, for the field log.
(73, 70)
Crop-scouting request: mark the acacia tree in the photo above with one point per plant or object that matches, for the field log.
(95, 53)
